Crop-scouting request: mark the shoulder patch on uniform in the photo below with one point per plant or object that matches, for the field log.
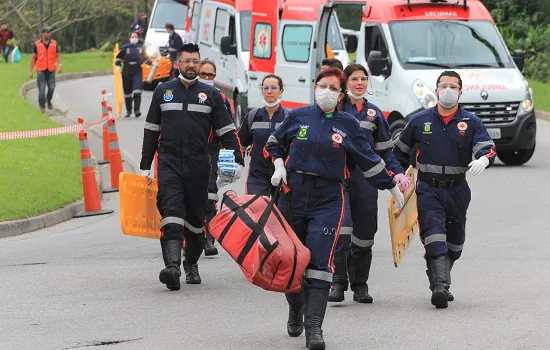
(371, 112)
(202, 96)
(338, 131)
(462, 126)
(168, 95)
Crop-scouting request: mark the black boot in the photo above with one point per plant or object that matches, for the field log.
(450, 264)
(209, 248)
(359, 269)
(339, 278)
(137, 104)
(128, 101)
(437, 274)
(296, 305)
(316, 305)
(170, 275)
(191, 273)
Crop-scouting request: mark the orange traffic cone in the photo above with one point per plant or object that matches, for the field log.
(114, 157)
(104, 113)
(92, 201)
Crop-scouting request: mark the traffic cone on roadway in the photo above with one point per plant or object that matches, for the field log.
(104, 113)
(92, 201)
(114, 157)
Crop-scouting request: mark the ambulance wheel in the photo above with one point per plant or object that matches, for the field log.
(518, 157)
(396, 127)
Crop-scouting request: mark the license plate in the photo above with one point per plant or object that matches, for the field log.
(494, 133)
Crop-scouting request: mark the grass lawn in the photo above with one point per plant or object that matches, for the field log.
(41, 174)
(541, 92)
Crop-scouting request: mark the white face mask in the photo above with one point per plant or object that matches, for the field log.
(187, 80)
(133, 41)
(272, 104)
(448, 98)
(351, 94)
(206, 81)
(326, 99)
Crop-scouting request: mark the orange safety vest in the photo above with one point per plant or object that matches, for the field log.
(46, 57)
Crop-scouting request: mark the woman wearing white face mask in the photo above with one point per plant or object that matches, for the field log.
(356, 249)
(132, 56)
(257, 125)
(316, 144)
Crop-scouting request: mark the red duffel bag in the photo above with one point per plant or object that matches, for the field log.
(257, 236)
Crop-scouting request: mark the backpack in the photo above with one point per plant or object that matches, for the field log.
(252, 115)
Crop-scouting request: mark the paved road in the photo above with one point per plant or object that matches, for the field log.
(82, 283)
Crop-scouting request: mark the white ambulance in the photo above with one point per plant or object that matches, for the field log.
(164, 11)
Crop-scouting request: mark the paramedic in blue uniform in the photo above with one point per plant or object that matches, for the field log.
(185, 113)
(353, 254)
(445, 138)
(256, 128)
(207, 74)
(316, 145)
(174, 46)
(128, 60)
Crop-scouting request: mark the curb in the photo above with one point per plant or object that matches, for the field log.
(19, 227)
(543, 115)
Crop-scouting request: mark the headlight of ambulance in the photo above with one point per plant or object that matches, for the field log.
(424, 94)
(527, 104)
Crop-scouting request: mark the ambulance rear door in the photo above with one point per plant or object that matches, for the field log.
(263, 39)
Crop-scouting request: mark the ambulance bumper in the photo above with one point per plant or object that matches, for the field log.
(519, 135)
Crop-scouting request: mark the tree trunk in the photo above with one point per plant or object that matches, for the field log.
(75, 34)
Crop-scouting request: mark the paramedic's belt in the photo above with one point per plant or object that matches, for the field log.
(404, 222)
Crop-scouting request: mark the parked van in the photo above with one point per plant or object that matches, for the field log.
(164, 11)
(222, 29)
(406, 44)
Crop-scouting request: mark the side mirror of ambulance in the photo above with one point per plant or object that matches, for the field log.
(226, 46)
(351, 43)
(519, 59)
(377, 63)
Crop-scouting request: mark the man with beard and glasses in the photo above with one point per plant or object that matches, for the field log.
(186, 114)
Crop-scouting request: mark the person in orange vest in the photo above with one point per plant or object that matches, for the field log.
(44, 59)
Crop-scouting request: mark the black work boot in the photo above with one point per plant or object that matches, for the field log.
(170, 275)
(209, 248)
(137, 104)
(128, 101)
(191, 273)
(359, 269)
(50, 106)
(339, 278)
(450, 264)
(316, 305)
(296, 305)
(437, 274)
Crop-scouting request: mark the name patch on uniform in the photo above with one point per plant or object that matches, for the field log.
(427, 128)
(202, 97)
(168, 95)
(336, 130)
(302, 134)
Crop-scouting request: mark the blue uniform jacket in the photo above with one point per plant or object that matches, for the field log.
(376, 129)
(174, 45)
(256, 137)
(444, 149)
(314, 143)
(131, 55)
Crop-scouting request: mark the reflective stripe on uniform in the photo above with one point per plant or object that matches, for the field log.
(173, 106)
(442, 169)
(319, 275)
(199, 108)
(455, 247)
(151, 126)
(225, 129)
(213, 197)
(367, 125)
(364, 243)
(86, 162)
(375, 169)
(136, 92)
(277, 125)
(402, 146)
(380, 146)
(118, 60)
(171, 220)
(260, 125)
(480, 145)
(435, 238)
(345, 230)
(127, 96)
(272, 139)
(193, 228)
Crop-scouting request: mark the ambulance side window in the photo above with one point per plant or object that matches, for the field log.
(262, 41)
(296, 42)
(220, 25)
(196, 16)
(374, 40)
(232, 30)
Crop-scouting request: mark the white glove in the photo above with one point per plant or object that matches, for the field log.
(398, 197)
(118, 69)
(477, 166)
(280, 172)
(147, 174)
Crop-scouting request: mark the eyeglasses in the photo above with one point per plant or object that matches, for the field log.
(331, 87)
(208, 76)
(444, 86)
(356, 79)
(272, 87)
(190, 60)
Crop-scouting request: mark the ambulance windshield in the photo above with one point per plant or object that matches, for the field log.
(169, 11)
(449, 44)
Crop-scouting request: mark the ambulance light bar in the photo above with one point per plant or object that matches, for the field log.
(464, 3)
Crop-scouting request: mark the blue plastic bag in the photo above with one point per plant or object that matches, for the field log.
(16, 55)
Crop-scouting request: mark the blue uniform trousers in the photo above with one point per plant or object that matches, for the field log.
(132, 86)
(256, 185)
